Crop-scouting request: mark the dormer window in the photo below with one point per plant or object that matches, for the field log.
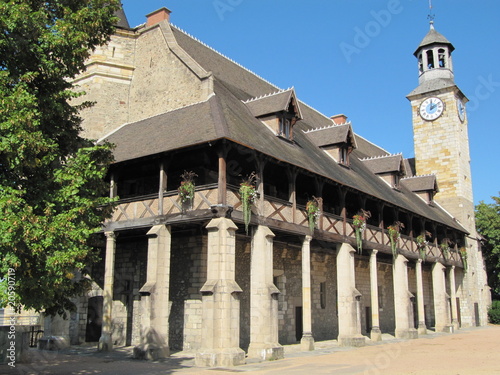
(423, 186)
(337, 140)
(278, 111)
(390, 168)
(285, 128)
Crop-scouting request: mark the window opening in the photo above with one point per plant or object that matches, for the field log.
(430, 59)
(420, 64)
(442, 58)
(284, 129)
(322, 295)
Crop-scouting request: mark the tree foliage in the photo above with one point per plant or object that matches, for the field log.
(488, 225)
(52, 189)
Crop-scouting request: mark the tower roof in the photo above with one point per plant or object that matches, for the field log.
(122, 22)
(433, 37)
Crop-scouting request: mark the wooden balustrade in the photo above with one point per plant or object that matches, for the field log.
(274, 209)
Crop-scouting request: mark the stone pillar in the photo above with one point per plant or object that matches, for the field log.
(155, 309)
(403, 309)
(105, 341)
(422, 329)
(441, 310)
(220, 332)
(348, 298)
(307, 340)
(453, 297)
(263, 299)
(375, 333)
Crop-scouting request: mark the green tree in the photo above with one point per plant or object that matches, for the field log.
(488, 225)
(52, 189)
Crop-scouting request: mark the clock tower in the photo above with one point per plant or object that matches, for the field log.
(440, 128)
(441, 146)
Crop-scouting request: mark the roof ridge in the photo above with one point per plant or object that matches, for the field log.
(221, 54)
(382, 156)
(280, 91)
(159, 114)
(328, 127)
(421, 175)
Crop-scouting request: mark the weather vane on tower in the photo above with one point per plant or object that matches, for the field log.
(431, 16)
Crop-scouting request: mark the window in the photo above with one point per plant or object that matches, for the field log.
(442, 58)
(322, 295)
(420, 64)
(344, 155)
(430, 59)
(285, 128)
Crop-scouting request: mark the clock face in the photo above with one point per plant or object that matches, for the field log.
(431, 108)
(461, 110)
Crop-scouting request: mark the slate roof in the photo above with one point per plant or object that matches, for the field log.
(432, 85)
(275, 102)
(224, 115)
(420, 183)
(332, 135)
(385, 164)
(433, 37)
(122, 22)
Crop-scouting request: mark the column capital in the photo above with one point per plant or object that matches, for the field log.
(111, 234)
(266, 231)
(308, 238)
(419, 261)
(221, 223)
(374, 252)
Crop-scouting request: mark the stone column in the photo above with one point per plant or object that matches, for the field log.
(307, 340)
(403, 309)
(441, 310)
(105, 341)
(422, 329)
(220, 332)
(375, 334)
(347, 298)
(155, 296)
(453, 297)
(263, 299)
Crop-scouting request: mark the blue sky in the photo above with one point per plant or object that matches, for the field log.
(356, 57)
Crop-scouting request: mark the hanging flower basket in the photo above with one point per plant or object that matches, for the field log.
(422, 246)
(187, 188)
(463, 255)
(394, 234)
(359, 224)
(313, 212)
(445, 248)
(248, 196)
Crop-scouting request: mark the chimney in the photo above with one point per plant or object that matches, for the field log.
(157, 16)
(339, 119)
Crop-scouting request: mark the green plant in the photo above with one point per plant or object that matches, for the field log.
(494, 313)
(359, 224)
(394, 234)
(313, 212)
(187, 188)
(463, 255)
(421, 246)
(248, 195)
(445, 247)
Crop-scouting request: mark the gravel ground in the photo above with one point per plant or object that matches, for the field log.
(468, 351)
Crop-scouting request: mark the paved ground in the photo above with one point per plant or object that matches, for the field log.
(469, 351)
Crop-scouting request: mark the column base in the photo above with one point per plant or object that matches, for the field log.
(447, 328)
(307, 343)
(220, 357)
(105, 343)
(410, 333)
(376, 334)
(151, 352)
(422, 329)
(266, 352)
(355, 341)
(455, 324)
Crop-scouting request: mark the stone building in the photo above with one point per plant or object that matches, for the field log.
(191, 274)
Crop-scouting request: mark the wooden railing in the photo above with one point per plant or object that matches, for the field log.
(273, 209)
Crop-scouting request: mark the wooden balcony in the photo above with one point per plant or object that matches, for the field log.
(273, 212)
